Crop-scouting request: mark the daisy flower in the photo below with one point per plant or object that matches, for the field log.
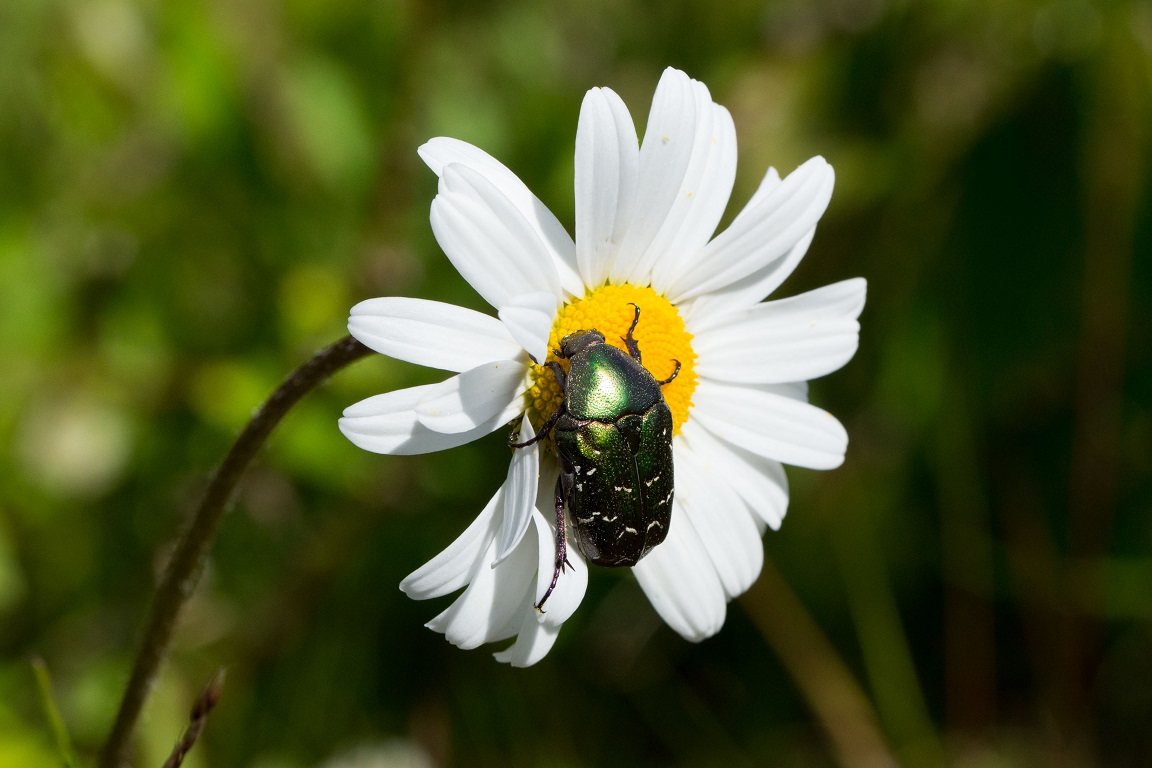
(646, 214)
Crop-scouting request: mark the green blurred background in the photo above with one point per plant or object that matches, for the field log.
(193, 194)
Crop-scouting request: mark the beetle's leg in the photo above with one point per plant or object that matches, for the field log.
(561, 547)
(633, 347)
(558, 372)
(675, 373)
(560, 379)
(543, 433)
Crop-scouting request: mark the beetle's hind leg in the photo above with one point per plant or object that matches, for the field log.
(629, 341)
(561, 548)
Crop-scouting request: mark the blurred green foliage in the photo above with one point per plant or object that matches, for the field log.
(193, 194)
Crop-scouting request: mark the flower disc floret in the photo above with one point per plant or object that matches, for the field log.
(661, 335)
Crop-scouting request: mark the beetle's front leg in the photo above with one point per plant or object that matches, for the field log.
(675, 373)
(544, 430)
(558, 372)
(543, 433)
(629, 340)
(561, 547)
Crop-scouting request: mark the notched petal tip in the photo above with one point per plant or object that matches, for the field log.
(347, 427)
(857, 285)
(442, 150)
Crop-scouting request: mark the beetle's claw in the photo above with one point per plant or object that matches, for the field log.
(551, 587)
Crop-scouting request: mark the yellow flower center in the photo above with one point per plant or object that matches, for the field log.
(660, 335)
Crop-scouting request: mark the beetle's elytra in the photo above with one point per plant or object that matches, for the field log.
(613, 438)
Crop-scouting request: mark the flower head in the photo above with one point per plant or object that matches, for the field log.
(645, 219)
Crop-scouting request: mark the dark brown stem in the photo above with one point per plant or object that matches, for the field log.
(184, 569)
(197, 720)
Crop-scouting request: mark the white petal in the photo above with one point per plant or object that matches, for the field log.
(572, 582)
(387, 423)
(760, 482)
(607, 171)
(797, 390)
(532, 642)
(454, 567)
(488, 240)
(664, 158)
(772, 425)
(441, 152)
(768, 185)
(702, 200)
(493, 596)
(431, 333)
(528, 318)
(512, 626)
(519, 493)
(794, 339)
(707, 311)
(681, 582)
(474, 397)
(724, 524)
(769, 232)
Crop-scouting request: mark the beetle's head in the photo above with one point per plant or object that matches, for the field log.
(575, 343)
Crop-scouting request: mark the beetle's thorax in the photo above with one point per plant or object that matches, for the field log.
(604, 383)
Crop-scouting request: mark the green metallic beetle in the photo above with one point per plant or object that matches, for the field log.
(613, 438)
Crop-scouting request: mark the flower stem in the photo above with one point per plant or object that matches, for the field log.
(822, 677)
(187, 562)
(64, 750)
(197, 720)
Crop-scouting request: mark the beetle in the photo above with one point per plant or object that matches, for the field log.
(613, 440)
